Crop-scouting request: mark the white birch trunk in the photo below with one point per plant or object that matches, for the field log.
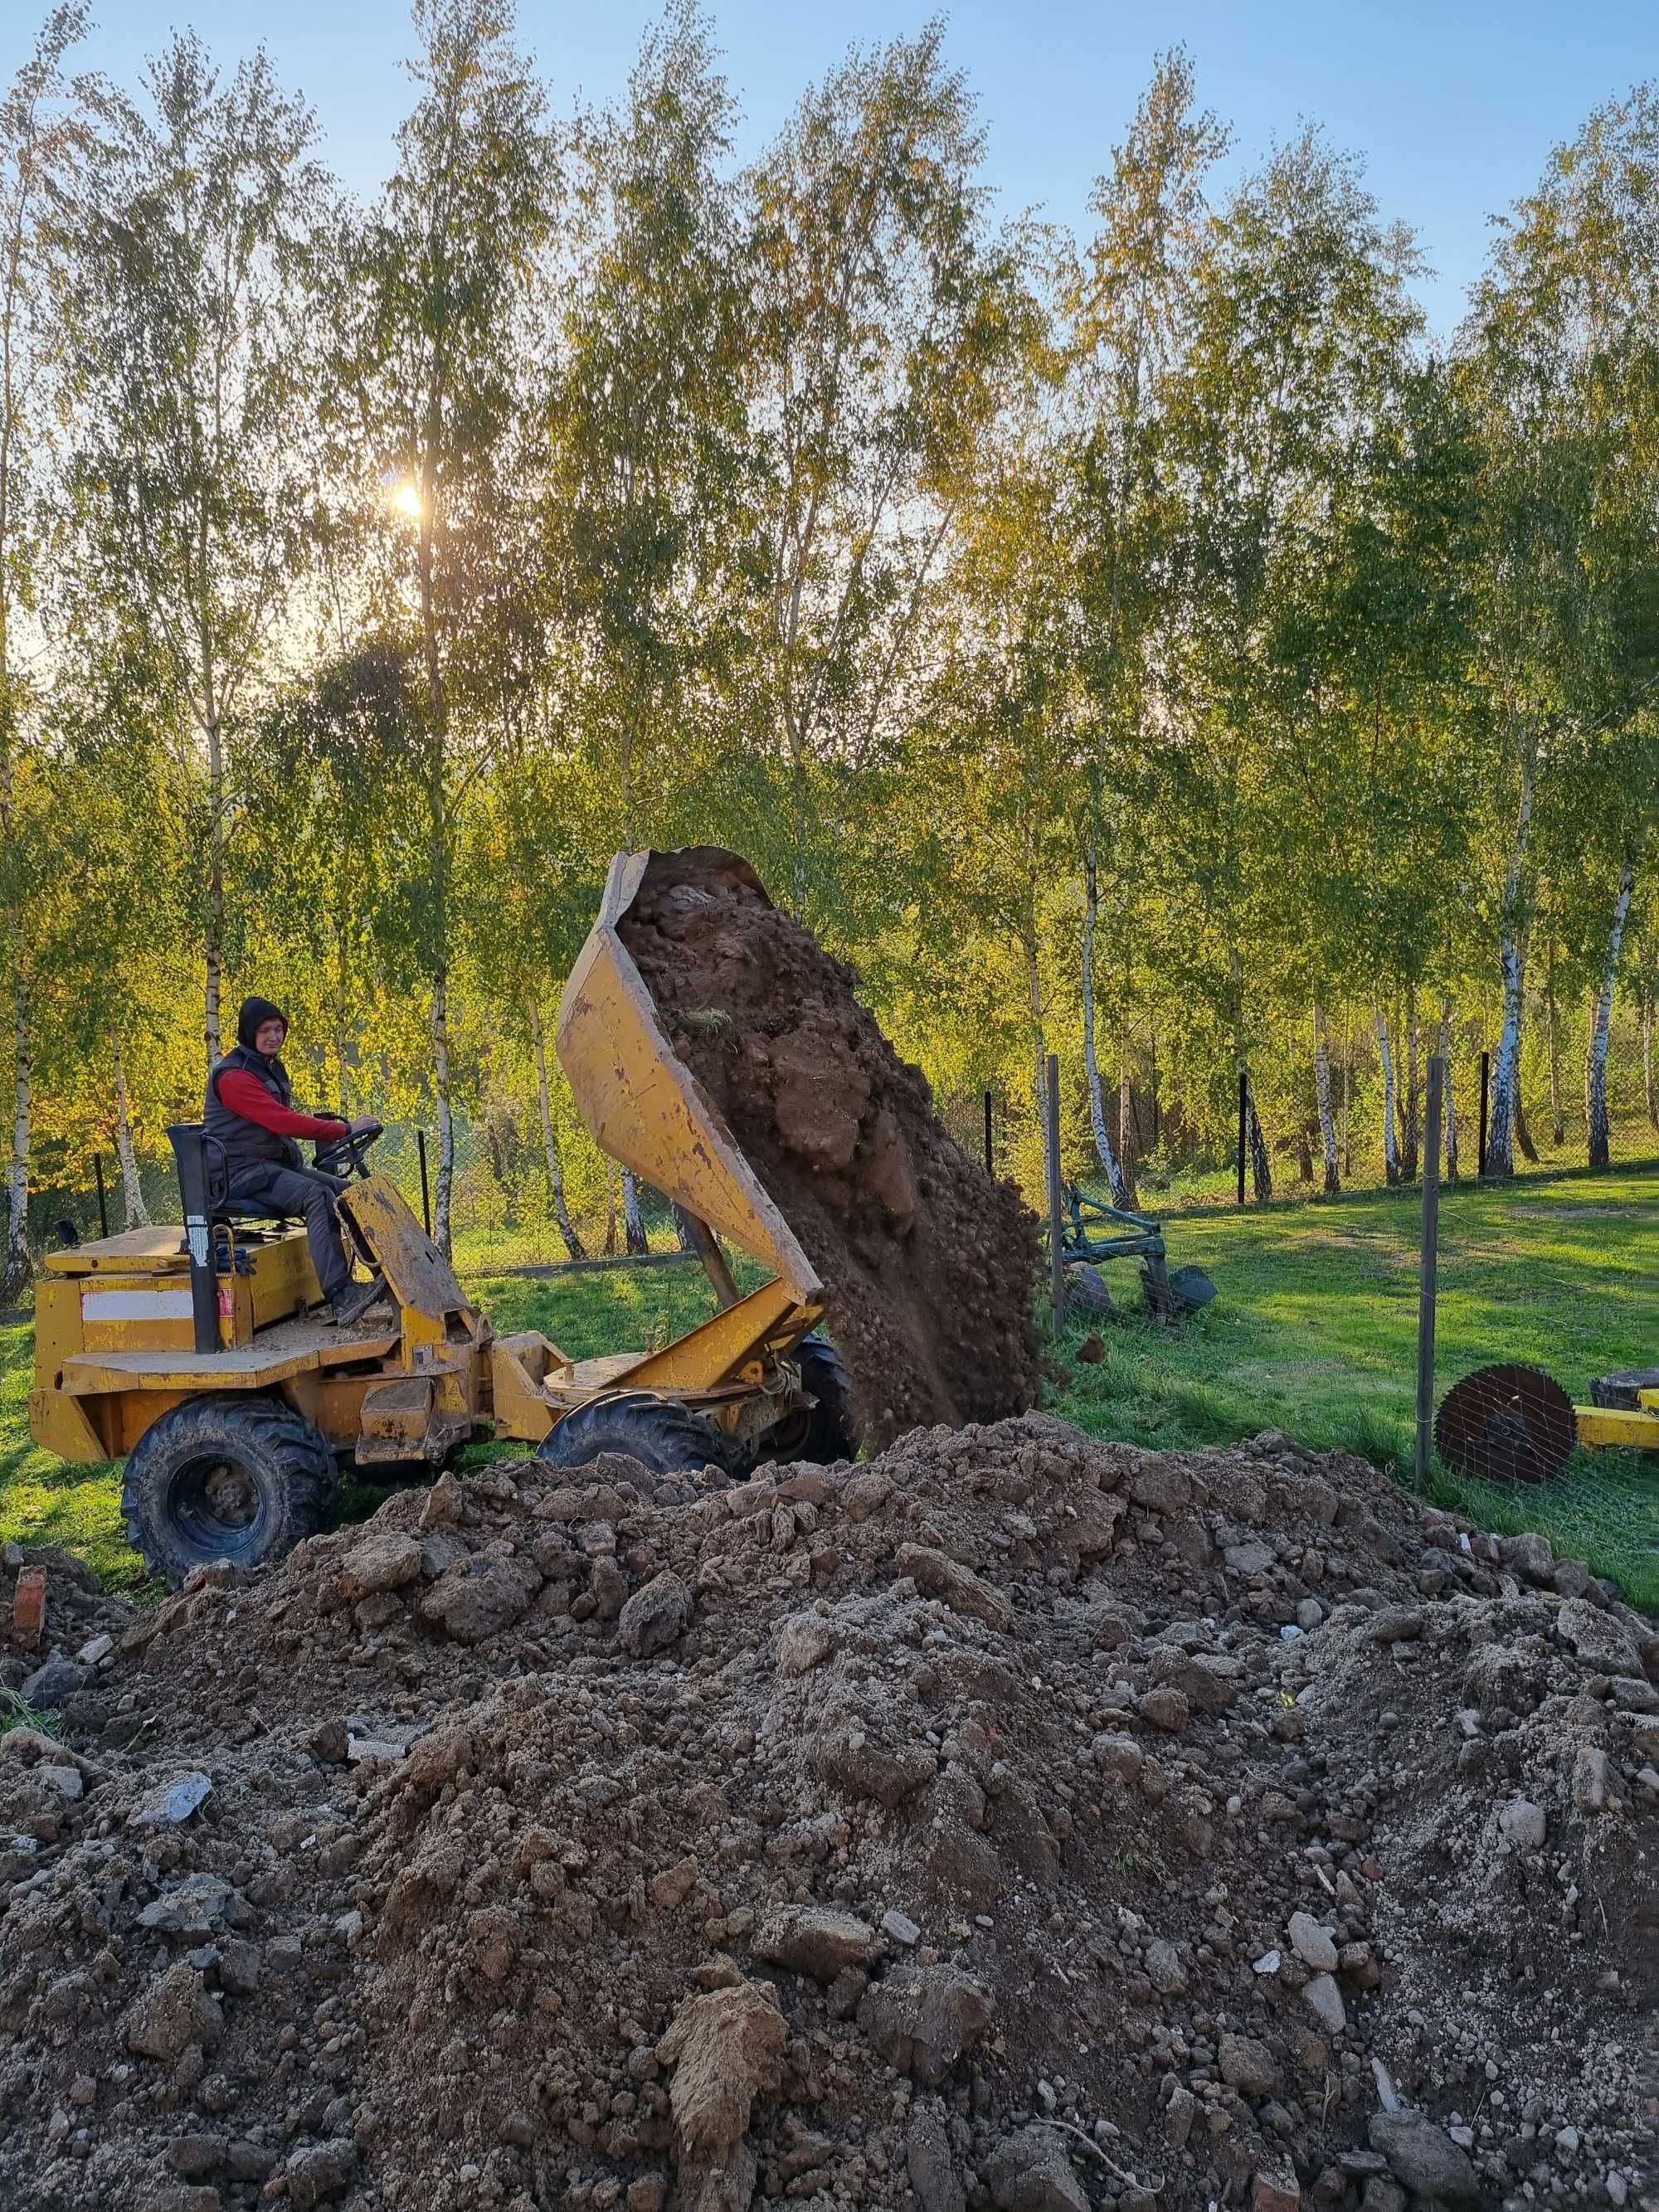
(1390, 1153)
(1103, 1147)
(1262, 1172)
(1125, 1124)
(573, 1244)
(1595, 1063)
(134, 1214)
(1512, 968)
(445, 1183)
(1347, 1096)
(1322, 1095)
(1451, 1108)
(213, 948)
(1262, 1175)
(633, 1219)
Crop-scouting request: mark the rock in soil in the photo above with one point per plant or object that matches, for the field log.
(858, 1863)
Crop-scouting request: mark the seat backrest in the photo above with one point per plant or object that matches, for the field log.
(192, 1137)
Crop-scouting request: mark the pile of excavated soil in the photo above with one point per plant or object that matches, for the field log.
(928, 1262)
(1013, 1821)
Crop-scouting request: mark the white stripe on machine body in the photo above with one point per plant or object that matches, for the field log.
(135, 1305)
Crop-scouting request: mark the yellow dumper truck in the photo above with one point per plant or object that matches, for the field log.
(196, 1354)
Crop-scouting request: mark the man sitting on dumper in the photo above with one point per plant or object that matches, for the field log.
(249, 1112)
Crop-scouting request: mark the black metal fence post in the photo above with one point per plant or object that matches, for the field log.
(1243, 1127)
(1486, 1092)
(1056, 1257)
(426, 1190)
(989, 1169)
(1426, 1270)
(103, 1202)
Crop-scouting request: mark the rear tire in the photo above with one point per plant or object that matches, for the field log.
(664, 1436)
(228, 1477)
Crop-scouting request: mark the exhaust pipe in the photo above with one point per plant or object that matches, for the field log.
(190, 1155)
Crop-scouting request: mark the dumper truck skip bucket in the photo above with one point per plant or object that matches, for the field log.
(645, 1108)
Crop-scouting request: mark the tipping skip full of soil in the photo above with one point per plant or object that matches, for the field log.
(928, 1262)
(1013, 1821)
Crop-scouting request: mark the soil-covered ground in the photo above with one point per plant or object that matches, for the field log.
(1012, 1820)
(927, 1261)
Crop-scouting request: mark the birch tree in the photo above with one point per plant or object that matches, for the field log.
(647, 429)
(441, 305)
(883, 311)
(1299, 324)
(191, 305)
(1561, 356)
(1595, 1059)
(646, 421)
(40, 136)
(1127, 301)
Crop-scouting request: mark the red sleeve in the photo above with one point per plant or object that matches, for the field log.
(246, 1095)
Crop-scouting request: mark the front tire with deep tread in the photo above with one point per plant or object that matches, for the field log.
(828, 1431)
(232, 1477)
(664, 1436)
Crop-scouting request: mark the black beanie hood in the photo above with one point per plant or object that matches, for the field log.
(254, 1013)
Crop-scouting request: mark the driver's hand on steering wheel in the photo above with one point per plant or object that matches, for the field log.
(363, 1123)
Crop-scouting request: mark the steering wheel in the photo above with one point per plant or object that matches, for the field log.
(348, 1153)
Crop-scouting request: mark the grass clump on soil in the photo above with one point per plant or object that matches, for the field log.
(16, 1711)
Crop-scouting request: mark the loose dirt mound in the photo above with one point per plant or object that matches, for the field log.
(1011, 1820)
(929, 1263)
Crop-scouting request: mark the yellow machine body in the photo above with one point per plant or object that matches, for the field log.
(1604, 1427)
(645, 1108)
(114, 1337)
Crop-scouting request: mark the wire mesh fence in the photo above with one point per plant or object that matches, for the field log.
(503, 1214)
(1545, 1310)
(1534, 1347)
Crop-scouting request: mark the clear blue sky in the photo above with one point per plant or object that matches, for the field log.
(1454, 104)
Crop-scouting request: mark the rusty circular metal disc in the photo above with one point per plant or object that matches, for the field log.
(1508, 1424)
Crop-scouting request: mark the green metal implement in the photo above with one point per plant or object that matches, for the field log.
(1093, 1231)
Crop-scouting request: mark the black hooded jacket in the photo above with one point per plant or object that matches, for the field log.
(245, 1144)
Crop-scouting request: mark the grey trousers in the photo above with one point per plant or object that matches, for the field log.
(309, 1193)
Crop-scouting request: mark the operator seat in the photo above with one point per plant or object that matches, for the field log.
(208, 1170)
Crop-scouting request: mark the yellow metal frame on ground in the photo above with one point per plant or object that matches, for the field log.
(1605, 1428)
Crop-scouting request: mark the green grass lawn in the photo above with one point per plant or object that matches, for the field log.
(1314, 1332)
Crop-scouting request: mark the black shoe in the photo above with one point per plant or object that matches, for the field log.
(354, 1302)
